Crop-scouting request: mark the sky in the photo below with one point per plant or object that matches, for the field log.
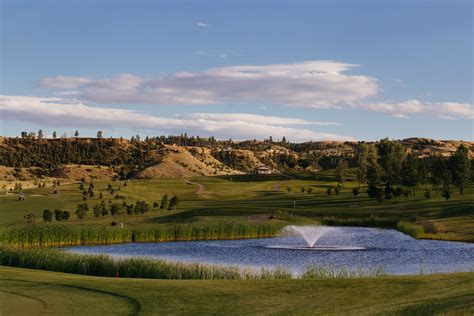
(306, 70)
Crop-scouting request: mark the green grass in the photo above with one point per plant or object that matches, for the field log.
(236, 199)
(55, 293)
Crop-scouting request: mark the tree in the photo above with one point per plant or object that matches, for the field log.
(173, 203)
(66, 215)
(341, 170)
(47, 216)
(58, 215)
(97, 210)
(368, 170)
(81, 210)
(446, 194)
(99, 134)
(40, 134)
(355, 191)
(55, 135)
(114, 209)
(410, 175)
(76, 133)
(391, 156)
(103, 209)
(164, 202)
(460, 167)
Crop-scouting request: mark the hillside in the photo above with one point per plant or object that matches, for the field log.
(180, 162)
(72, 159)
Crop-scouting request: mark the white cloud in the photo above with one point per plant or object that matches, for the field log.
(310, 84)
(60, 112)
(313, 84)
(61, 82)
(202, 24)
(448, 110)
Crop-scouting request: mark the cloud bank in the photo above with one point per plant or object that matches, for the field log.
(313, 84)
(62, 112)
(310, 84)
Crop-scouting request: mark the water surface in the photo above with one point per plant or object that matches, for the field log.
(396, 252)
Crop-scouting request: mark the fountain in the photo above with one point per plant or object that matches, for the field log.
(311, 234)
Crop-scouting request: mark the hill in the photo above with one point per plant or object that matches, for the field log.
(181, 156)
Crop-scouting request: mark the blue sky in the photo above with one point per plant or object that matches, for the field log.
(240, 69)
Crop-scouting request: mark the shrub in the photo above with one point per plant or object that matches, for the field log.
(47, 215)
(446, 194)
(355, 191)
(415, 231)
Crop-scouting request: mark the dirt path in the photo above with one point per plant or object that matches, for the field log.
(200, 188)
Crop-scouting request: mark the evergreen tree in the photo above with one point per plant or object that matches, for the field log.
(47, 215)
(410, 173)
(460, 167)
(173, 203)
(164, 202)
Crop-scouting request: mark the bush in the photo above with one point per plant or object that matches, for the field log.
(427, 194)
(415, 231)
(446, 194)
(355, 191)
(47, 215)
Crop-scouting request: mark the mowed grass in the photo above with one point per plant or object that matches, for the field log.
(60, 294)
(239, 198)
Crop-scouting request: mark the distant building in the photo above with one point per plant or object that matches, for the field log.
(263, 170)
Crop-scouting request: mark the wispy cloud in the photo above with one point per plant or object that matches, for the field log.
(202, 24)
(313, 84)
(61, 112)
(447, 110)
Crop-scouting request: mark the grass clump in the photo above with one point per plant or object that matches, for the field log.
(320, 272)
(412, 229)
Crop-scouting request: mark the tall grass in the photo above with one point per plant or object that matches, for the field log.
(101, 265)
(412, 229)
(320, 272)
(68, 235)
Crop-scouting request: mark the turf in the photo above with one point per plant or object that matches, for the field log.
(241, 198)
(58, 294)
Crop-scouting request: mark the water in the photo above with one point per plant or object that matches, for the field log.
(310, 233)
(397, 253)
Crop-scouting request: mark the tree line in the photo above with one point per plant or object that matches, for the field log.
(388, 170)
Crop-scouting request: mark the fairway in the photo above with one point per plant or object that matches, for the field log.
(250, 199)
(58, 294)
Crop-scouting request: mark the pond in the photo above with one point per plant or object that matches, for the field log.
(367, 248)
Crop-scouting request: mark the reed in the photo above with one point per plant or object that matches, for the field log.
(35, 235)
(320, 272)
(412, 229)
(53, 259)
